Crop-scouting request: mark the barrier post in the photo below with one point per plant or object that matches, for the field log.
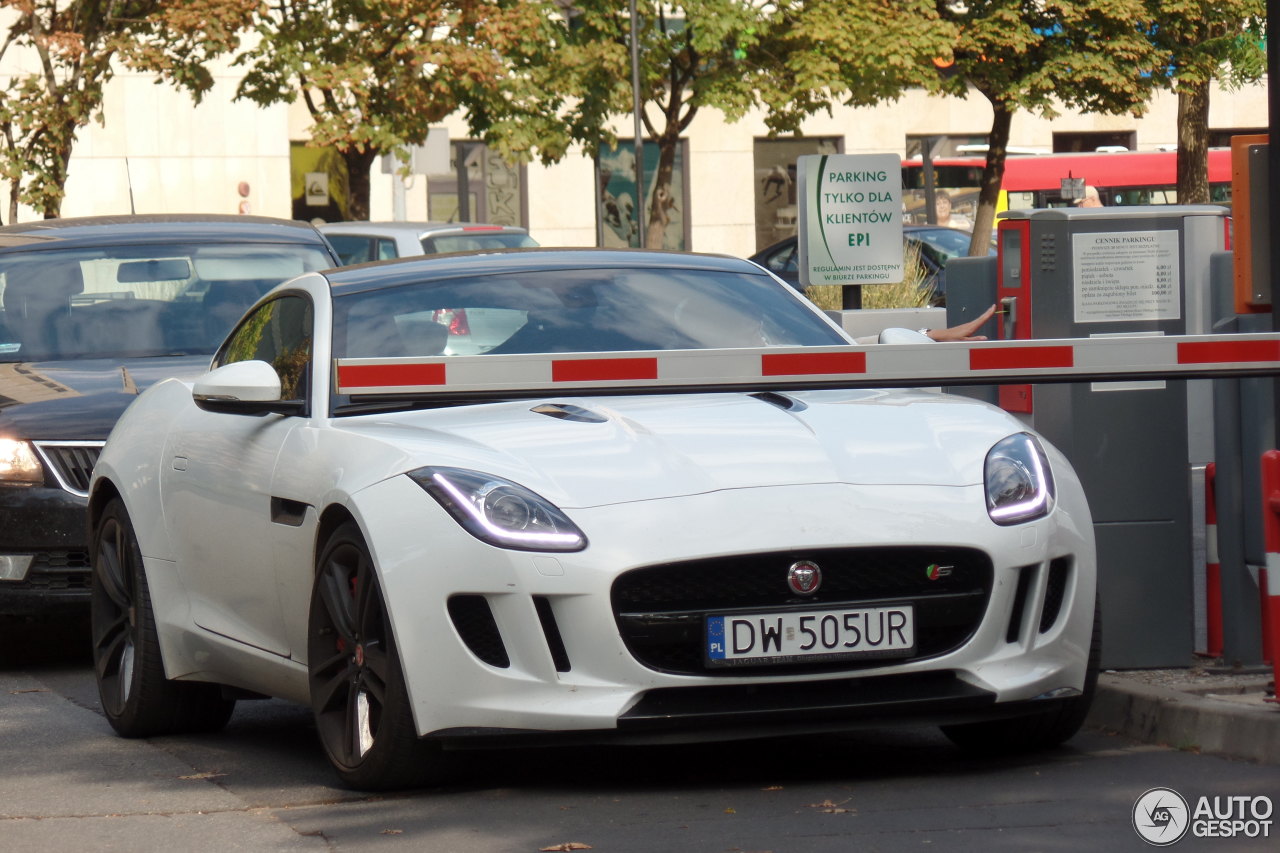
(1213, 568)
(1270, 592)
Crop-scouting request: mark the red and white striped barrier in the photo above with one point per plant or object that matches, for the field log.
(1212, 567)
(1269, 577)
(881, 365)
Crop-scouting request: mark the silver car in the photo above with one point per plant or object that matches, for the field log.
(358, 242)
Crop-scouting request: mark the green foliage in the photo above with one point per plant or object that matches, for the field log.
(72, 45)
(1204, 40)
(786, 58)
(376, 74)
(1089, 55)
(858, 53)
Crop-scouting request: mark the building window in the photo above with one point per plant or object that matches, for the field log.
(496, 191)
(616, 214)
(775, 182)
(1095, 140)
(319, 183)
(946, 145)
(1221, 137)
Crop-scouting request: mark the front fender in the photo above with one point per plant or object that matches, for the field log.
(131, 463)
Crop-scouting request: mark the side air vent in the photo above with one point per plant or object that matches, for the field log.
(569, 412)
(555, 644)
(474, 622)
(1025, 575)
(782, 401)
(1055, 592)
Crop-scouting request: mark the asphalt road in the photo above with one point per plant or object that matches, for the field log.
(68, 783)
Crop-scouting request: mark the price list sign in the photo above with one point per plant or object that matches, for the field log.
(1126, 276)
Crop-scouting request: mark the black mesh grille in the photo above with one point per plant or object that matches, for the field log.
(73, 463)
(1055, 592)
(475, 624)
(54, 570)
(661, 610)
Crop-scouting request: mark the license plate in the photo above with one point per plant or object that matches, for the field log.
(805, 635)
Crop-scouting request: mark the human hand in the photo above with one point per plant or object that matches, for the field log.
(965, 331)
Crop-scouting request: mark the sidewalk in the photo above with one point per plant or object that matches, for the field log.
(1202, 708)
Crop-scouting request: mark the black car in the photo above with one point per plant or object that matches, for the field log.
(936, 245)
(92, 311)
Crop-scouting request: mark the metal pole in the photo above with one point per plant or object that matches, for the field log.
(1273, 149)
(930, 181)
(462, 152)
(636, 107)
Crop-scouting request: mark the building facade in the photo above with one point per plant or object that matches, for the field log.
(158, 152)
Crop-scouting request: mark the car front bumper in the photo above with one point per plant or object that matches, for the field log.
(564, 667)
(44, 560)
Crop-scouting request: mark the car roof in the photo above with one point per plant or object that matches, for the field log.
(415, 229)
(153, 228)
(379, 274)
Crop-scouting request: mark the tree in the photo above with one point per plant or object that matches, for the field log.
(1200, 42)
(786, 57)
(74, 48)
(376, 74)
(1090, 55)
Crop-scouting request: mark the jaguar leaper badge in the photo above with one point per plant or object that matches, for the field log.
(804, 577)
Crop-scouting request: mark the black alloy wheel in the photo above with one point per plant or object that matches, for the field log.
(137, 699)
(358, 693)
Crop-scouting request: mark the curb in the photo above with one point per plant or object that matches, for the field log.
(1242, 726)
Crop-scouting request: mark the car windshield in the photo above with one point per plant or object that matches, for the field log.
(575, 310)
(473, 241)
(133, 301)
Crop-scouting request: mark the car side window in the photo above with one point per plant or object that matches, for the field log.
(352, 248)
(387, 250)
(279, 333)
(784, 260)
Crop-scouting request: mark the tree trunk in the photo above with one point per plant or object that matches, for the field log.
(1193, 144)
(51, 203)
(992, 176)
(663, 202)
(358, 165)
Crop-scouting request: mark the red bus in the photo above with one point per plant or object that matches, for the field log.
(1035, 180)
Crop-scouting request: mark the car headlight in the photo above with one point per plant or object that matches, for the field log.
(1019, 483)
(19, 463)
(499, 511)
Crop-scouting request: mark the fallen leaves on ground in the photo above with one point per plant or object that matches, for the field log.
(828, 807)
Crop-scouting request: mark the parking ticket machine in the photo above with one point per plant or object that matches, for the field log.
(1089, 272)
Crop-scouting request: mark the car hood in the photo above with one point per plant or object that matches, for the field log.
(594, 451)
(80, 400)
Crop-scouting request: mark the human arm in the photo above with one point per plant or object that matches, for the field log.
(964, 331)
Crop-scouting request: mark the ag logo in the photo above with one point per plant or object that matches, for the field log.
(1161, 816)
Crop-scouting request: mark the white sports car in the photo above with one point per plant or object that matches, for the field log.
(569, 532)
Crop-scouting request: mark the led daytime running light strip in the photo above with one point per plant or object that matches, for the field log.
(468, 506)
(1033, 506)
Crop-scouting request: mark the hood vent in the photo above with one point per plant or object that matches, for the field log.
(569, 412)
(782, 401)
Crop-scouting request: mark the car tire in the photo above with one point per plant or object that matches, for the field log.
(136, 698)
(358, 692)
(1043, 730)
